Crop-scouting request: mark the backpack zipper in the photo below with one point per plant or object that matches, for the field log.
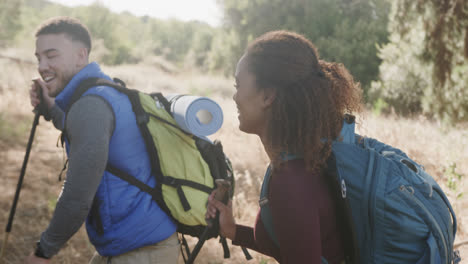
(410, 195)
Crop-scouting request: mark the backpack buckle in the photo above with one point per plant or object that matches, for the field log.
(343, 189)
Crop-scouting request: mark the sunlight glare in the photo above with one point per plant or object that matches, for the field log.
(186, 10)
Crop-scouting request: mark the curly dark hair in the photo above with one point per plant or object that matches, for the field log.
(312, 96)
(72, 27)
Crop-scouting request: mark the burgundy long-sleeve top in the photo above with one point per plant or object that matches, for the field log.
(304, 219)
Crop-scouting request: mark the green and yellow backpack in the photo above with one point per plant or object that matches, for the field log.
(186, 166)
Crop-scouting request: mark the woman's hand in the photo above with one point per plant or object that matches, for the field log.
(227, 224)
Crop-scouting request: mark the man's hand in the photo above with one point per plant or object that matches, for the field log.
(31, 259)
(37, 86)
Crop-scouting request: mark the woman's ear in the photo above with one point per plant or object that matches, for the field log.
(269, 96)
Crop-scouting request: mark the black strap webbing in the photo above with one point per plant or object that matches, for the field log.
(227, 253)
(168, 180)
(183, 199)
(130, 179)
(246, 253)
(120, 82)
(174, 182)
(186, 247)
(178, 183)
(164, 101)
(89, 83)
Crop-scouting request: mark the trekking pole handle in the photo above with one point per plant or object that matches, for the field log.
(41, 108)
(222, 191)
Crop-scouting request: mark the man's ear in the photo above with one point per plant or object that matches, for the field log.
(82, 56)
(269, 96)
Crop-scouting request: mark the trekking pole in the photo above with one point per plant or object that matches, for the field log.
(222, 190)
(38, 110)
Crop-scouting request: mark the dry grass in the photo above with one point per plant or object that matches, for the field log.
(422, 139)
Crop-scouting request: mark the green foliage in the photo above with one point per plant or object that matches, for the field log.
(10, 10)
(445, 27)
(343, 31)
(125, 38)
(200, 47)
(175, 40)
(222, 55)
(380, 107)
(403, 77)
(408, 81)
(454, 178)
(51, 204)
(13, 131)
(449, 102)
(103, 24)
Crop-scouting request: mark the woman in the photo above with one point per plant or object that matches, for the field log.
(295, 103)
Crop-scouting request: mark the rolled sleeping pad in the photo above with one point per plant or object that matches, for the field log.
(198, 115)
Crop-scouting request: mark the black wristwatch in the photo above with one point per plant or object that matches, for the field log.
(38, 252)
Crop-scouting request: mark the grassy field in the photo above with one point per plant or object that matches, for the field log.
(443, 152)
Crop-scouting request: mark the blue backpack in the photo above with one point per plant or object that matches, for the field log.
(396, 212)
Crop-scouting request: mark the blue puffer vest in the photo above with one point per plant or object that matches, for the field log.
(130, 218)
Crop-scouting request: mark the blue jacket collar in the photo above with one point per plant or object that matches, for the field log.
(89, 71)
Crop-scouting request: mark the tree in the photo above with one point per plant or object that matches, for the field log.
(345, 31)
(446, 29)
(10, 25)
(403, 76)
(425, 64)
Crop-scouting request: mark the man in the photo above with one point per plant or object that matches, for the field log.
(123, 223)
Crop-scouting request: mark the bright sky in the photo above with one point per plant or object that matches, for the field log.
(204, 10)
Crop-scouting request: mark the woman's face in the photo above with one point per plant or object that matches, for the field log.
(252, 102)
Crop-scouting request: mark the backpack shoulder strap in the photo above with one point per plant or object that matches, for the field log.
(338, 188)
(343, 211)
(265, 212)
(347, 133)
(87, 84)
(133, 95)
(84, 86)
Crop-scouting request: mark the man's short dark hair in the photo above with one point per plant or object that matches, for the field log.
(72, 27)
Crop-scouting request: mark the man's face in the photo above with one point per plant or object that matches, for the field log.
(59, 59)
